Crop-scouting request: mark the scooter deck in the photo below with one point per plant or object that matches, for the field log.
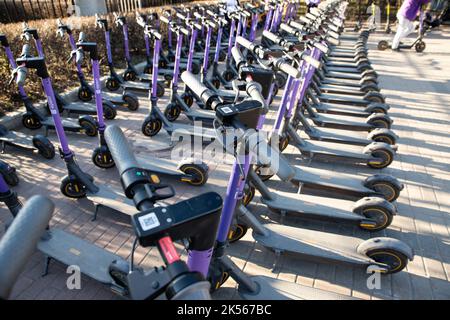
(315, 207)
(312, 245)
(330, 179)
(343, 98)
(18, 139)
(341, 64)
(339, 82)
(158, 165)
(335, 149)
(68, 249)
(339, 136)
(354, 111)
(276, 289)
(340, 121)
(111, 198)
(81, 107)
(343, 75)
(140, 87)
(70, 124)
(114, 98)
(341, 89)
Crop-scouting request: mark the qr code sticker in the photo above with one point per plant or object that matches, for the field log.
(227, 110)
(149, 221)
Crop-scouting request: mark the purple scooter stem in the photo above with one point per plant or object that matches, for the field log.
(253, 27)
(207, 48)
(231, 39)
(156, 51)
(98, 95)
(48, 89)
(176, 67)
(108, 46)
(193, 40)
(268, 19)
(238, 31)
(218, 43)
(199, 261)
(126, 42)
(283, 104)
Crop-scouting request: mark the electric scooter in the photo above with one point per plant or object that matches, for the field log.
(72, 107)
(86, 92)
(114, 82)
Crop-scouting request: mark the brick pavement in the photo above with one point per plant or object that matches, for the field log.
(417, 87)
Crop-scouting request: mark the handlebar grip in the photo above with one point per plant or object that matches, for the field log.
(237, 56)
(321, 47)
(296, 25)
(120, 149)
(81, 37)
(21, 75)
(164, 19)
(20, 240)
(310, 60)
(196, 291)
(287, 28)
(184, 31)
(254, 90)
(275, 161)
(193, 83)
(26, 49)
(79, 56)
(245, 43)
(287, 68)
(271, 36)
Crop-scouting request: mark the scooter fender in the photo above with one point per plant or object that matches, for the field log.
(109, 103)
(88, 118)
(385, 243)
(365, 202)
(374, 146)
(385, 131)
(375, 105)
(126, 93)
(371, 180)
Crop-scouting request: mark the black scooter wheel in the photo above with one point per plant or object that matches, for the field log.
(420, 46)
(195, 68)
(84, 94)
(386, 138)
(280, 79)
(228, 75)
(222, 55)
(148, 69)
(89, 127)
(119, 270)
(109, 112)
(218, 277)
(44, 146)
(389, 191)
(129, 75)
(382, 217)
(11, 178)
(198, 172)
(216, 83)
(386, 159)
(30, 121)
(380, 123)
(151, 126)
(72, 188)
(188, 99)
(160, 90)
(112, 84)
(284, 142)
(249, 194)
(383, 45)
(395, 260)
(237, 232)
(172, 111)
(102, 158)
(131, 102)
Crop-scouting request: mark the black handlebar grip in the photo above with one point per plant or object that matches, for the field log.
(272, 37)
(20, 240)
(120, 149)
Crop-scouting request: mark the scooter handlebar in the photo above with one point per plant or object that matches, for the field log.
(193, 83)
(164, 19)
(20, 240)
(310, 60)
(120, 149)
(272, 37)
(237, 56)
(286, 68)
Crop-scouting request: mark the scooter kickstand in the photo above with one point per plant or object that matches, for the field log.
(2, 147)
(277, 256)
(46, 265)
(95, 212)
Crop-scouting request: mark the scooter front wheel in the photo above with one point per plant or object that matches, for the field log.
(72, 188)
(172, 111)
(393, 259)
(151, 126)
(102, 158)
(129, 75)
(11, 177)
(84, 94)
(198, 172)
(132, 102)
(30, 121)
(109, 111)
(237, 232)
(188, 99)
(228, 75)
(112, 84)
(89, 127)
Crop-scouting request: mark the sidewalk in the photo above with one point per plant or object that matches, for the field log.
(417, 86)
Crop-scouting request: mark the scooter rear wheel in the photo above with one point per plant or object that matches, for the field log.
(112, 84)
(188, 99)
(386, 156)
(72, 188)
(89, 127)
(383, 45)
(228, 75)
(172, 111)
(382, 217)
(132, 102)
(44, 146)
(11, 178)
(395, 260)
(420, 46)
(129, 75)
(109, 112)
(30, 121)
(389, 191)
(84, 94)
